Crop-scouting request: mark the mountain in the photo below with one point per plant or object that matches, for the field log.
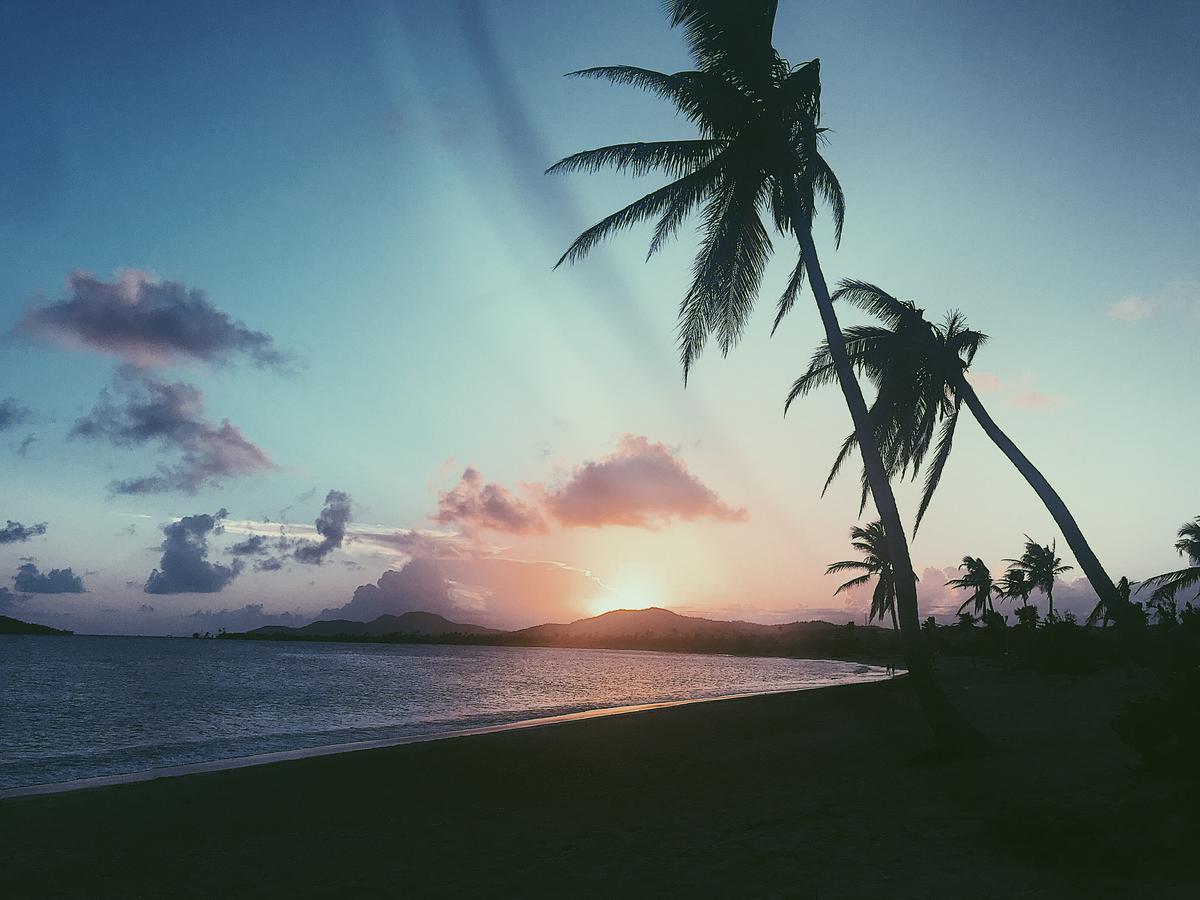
(423, 624)
(16, 626)
(662, 623)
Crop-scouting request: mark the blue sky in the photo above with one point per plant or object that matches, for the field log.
(363, 183)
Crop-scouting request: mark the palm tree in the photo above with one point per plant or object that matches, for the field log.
(1167, 585)
(1014, 584)
(758, 151)
(871, 542)
(1105, 612)
(978, 581)
(919, 370)
(1041, 566)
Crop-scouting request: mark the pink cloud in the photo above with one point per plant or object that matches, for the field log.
(984, 381)
(641, 484)
(1031, 399)
(475, 505)
(1020, 393)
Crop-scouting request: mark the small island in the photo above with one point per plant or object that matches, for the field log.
(9, 625)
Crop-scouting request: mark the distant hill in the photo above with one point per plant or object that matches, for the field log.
(16, 626)
(423, 624)
(651, 622)
(621, 629)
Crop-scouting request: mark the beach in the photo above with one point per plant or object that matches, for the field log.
(821, 793)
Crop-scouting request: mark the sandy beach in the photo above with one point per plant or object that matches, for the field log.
(819, 793)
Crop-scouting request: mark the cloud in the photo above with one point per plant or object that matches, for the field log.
(25, 444)
(1132, 308)
(1020, 394)
(8, 601)
(146, 322)
(29, 580)
(254, 545)
(1176, 298)
(331, 526)
(140, 409)
(492, 591)
(184, 568)
(475, 505)
(641, 484)
(13, 413)
(15, 532)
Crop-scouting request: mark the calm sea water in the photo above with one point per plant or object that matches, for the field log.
(77, 707)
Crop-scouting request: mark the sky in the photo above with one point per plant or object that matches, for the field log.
(278, 312)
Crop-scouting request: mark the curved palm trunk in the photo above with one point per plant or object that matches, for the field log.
(1101, 583)
(895, 621)
(951, 731)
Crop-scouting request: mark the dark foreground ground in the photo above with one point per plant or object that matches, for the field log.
(819, 794)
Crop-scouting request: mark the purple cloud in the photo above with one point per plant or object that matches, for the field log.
(331, 525)
(29, 580)
(641, 484)
(184, 567)
(141, 409)
(146, 322)
(474, 505)
(15, 532)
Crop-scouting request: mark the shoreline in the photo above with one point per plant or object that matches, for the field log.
(277, 756)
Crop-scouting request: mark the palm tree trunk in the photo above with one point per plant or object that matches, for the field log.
(895, 621)
(1087, 560)
(1050, 600)
(951, 731)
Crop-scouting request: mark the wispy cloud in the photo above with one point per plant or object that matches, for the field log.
(1020, 394)
(13, 413)
(1179, 298)
(139, 409)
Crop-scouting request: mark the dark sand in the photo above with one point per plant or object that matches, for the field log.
(814, 794)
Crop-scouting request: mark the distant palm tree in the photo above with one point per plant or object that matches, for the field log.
(1106, 612)
(919, 370)
(1041, 566)
(978, 581)
(1167, 585)
(758, 151)
(1013, 584)
(872, 544)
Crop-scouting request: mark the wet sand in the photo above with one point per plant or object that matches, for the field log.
(820, 793)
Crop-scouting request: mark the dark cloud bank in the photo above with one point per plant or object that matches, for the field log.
(146, 322)
(331, 525)
(138, 410)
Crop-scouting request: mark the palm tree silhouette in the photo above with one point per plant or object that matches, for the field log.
(1041, 566)
(919, 370)
(1104, 612)
(758, 151)
(1013, 584)
(871, 542)
(1167, 585)
(978, 581)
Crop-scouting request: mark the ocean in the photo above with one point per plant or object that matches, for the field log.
(84, 706)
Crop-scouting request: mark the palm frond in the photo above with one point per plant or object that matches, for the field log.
(675, 158)
(933, 475)
(790, 293)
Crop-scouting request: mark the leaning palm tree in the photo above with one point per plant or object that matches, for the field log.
(1167, 585)
(758, 152)
(1041, 566)
(978, 581)
(871, 542)
(919, 370)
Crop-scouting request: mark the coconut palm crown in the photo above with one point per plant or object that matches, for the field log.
(1167, 585)
(977, 580)
(1041, 566)
(871, 542)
